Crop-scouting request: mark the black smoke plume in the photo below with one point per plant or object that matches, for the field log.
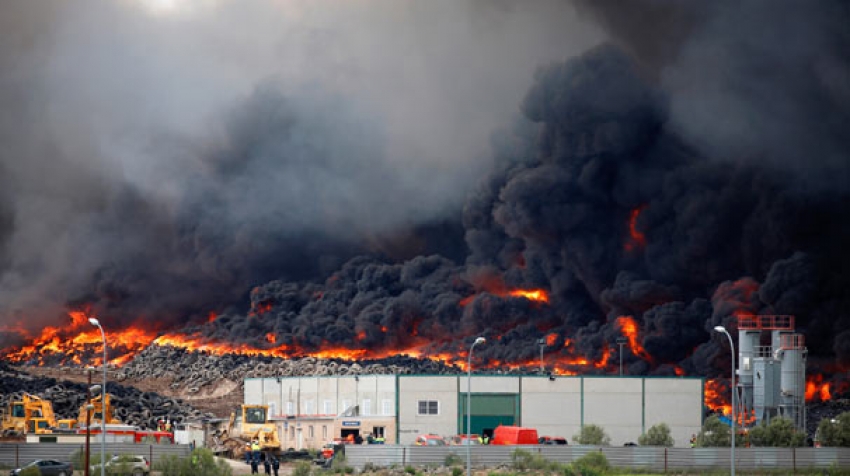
(719, 237)
(678, 186)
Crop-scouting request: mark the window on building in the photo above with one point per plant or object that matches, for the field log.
(324, 432)
(367, 407)
(386, 407)
(328, 407)
(378, 431)
(346, 404)
(292, 432)
(290, 408)
(272, 408)
(429, 407)
(309, 407)
(310, 431)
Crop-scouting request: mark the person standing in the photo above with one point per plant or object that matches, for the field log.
(275, 465)
(255, 463)
(267, 465)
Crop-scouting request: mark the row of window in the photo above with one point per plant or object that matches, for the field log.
(376, 431)
(308, 407)
(424, 407)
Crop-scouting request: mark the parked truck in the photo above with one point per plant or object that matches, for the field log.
(514, 435)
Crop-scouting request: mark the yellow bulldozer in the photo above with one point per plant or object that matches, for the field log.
(253, 427)
(69, 424)
(30, 414)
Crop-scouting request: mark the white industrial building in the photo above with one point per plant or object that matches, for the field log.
(313, 410)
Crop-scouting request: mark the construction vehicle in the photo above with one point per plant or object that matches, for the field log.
(254, 426)
(66, 425)
(69, 425)
(97, 413)
(30, 414)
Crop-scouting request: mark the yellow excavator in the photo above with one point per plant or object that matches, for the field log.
(69, 424)
(30, 414)
(254, 426)
(98, 412)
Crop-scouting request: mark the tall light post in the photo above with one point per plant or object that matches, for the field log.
(621, 341)
(542, 343)
(734, 418)
(96, 323)
(89, 407)
(478, 340)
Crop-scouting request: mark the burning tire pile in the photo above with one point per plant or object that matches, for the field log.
(190, 373)
(132, 406)
(194, 370)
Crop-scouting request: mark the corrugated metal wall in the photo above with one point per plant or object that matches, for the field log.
(645, 458)
(17, 454)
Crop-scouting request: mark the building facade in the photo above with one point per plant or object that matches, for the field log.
(311, 411)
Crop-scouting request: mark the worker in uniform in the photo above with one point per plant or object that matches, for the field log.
(275, 465)
(255, 463)
(267, 465)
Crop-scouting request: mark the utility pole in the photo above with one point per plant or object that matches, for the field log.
(542, 343)
(621, 341)
(89, 370)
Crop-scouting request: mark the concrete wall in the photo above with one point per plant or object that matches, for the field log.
(443, 389)
(625, 407)
(326, 395)
(676, 402)
(615, 404)
(551, 406)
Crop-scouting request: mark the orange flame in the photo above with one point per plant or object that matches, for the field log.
(80, 338)
(628, 326)
(536, 295)
(716, 397)
(636, 238)
(260, 308)
(816, 387)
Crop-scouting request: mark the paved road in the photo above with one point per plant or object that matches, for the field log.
(240, 468)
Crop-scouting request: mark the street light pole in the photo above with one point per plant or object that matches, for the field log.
(734, 418)
(96, 323)
(88, 421)
(542, 344)
(478, 340)
(621, 341)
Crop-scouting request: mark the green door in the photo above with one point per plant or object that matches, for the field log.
(489, 411)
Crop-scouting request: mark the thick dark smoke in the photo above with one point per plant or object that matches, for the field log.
(722, 234)
(678, 180)
(159, 161)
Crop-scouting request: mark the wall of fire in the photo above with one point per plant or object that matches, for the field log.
(312, 410)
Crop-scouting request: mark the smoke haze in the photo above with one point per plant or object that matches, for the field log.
(379, 173)
(160, 161)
